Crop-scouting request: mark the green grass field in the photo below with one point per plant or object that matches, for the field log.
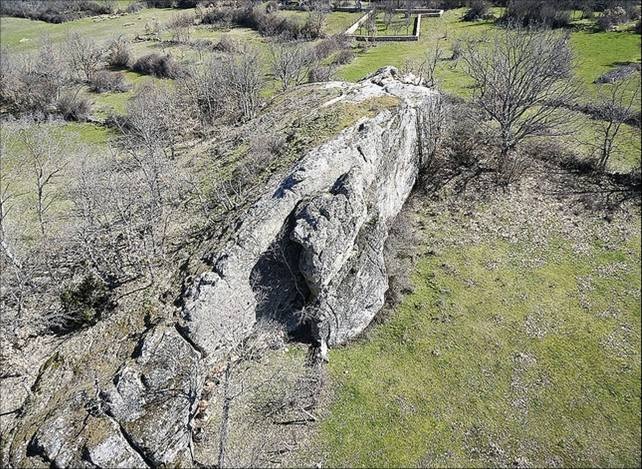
(509, 352)
(397, 26)
(20, 34)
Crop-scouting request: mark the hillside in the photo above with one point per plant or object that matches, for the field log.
(235, 234)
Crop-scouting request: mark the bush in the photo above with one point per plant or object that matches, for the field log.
(73, 107)
(457, 49)
(267, 24)
(135, 7)
(82, 305)
(479, 9)
(328, 46)
(638, 27)
(159, 3)
(218, 16)
(162, 66)
(104, 81)
(537, 12)
(343, 57)
(561, 156)
(611, 18)
(320, 73)
(227, 88)
(118, 54)
(55, 11)
(588, 13)
(618, 73)
(227, 44)
(271, 6)
(181, 27)
(186, 3)
(32, 84)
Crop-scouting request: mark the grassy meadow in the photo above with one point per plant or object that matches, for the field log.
(519, 346)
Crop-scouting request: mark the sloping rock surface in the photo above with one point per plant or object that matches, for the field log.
(319, 233)
(308, 253)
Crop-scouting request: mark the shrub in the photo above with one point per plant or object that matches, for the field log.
(611, 18)
(55, 11)
(83, 55)
(181, 27)
(618, 73)
(537, 12)
(271, 6)
(162, 66)
(159, 3)
(82, 305)
(343, 57)
(588, 13)
(320, 73)
(104, 81)
(135, 7)
(227, 44)
(479, 9)
(267, 24)
(118, 54)
(218, 16)
(186, 3)
(328, 46)
(73, 107)
(457, 49)
(33, 83)
(227, 88)
(314, 25)
(560, 155)
(638, 27)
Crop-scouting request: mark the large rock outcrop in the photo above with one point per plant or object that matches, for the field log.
(316, 238)
(308, 253)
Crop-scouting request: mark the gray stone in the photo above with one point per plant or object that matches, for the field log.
(341, 198)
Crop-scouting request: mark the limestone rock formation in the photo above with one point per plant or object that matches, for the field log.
(308, 253)
(317, 236)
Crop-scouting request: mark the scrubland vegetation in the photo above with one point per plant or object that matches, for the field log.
(513, 328)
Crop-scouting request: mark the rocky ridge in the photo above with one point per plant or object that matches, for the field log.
(308, 254)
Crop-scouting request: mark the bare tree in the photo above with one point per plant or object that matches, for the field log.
(424, 69)
(616, 104)
(371, 24)
(33, 83)
(155, 121)
(242, 80)
(227, 89)
(290, 63)
(181, 27)
(38, 257)
(388, 15)
(83, 54)
(315, 22)
(45, 155)
(432, 128)
(407, 16)
(201, 88)
(522, 84)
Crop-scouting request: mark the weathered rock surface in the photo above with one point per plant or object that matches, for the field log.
(322, 227)
(308, 253)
